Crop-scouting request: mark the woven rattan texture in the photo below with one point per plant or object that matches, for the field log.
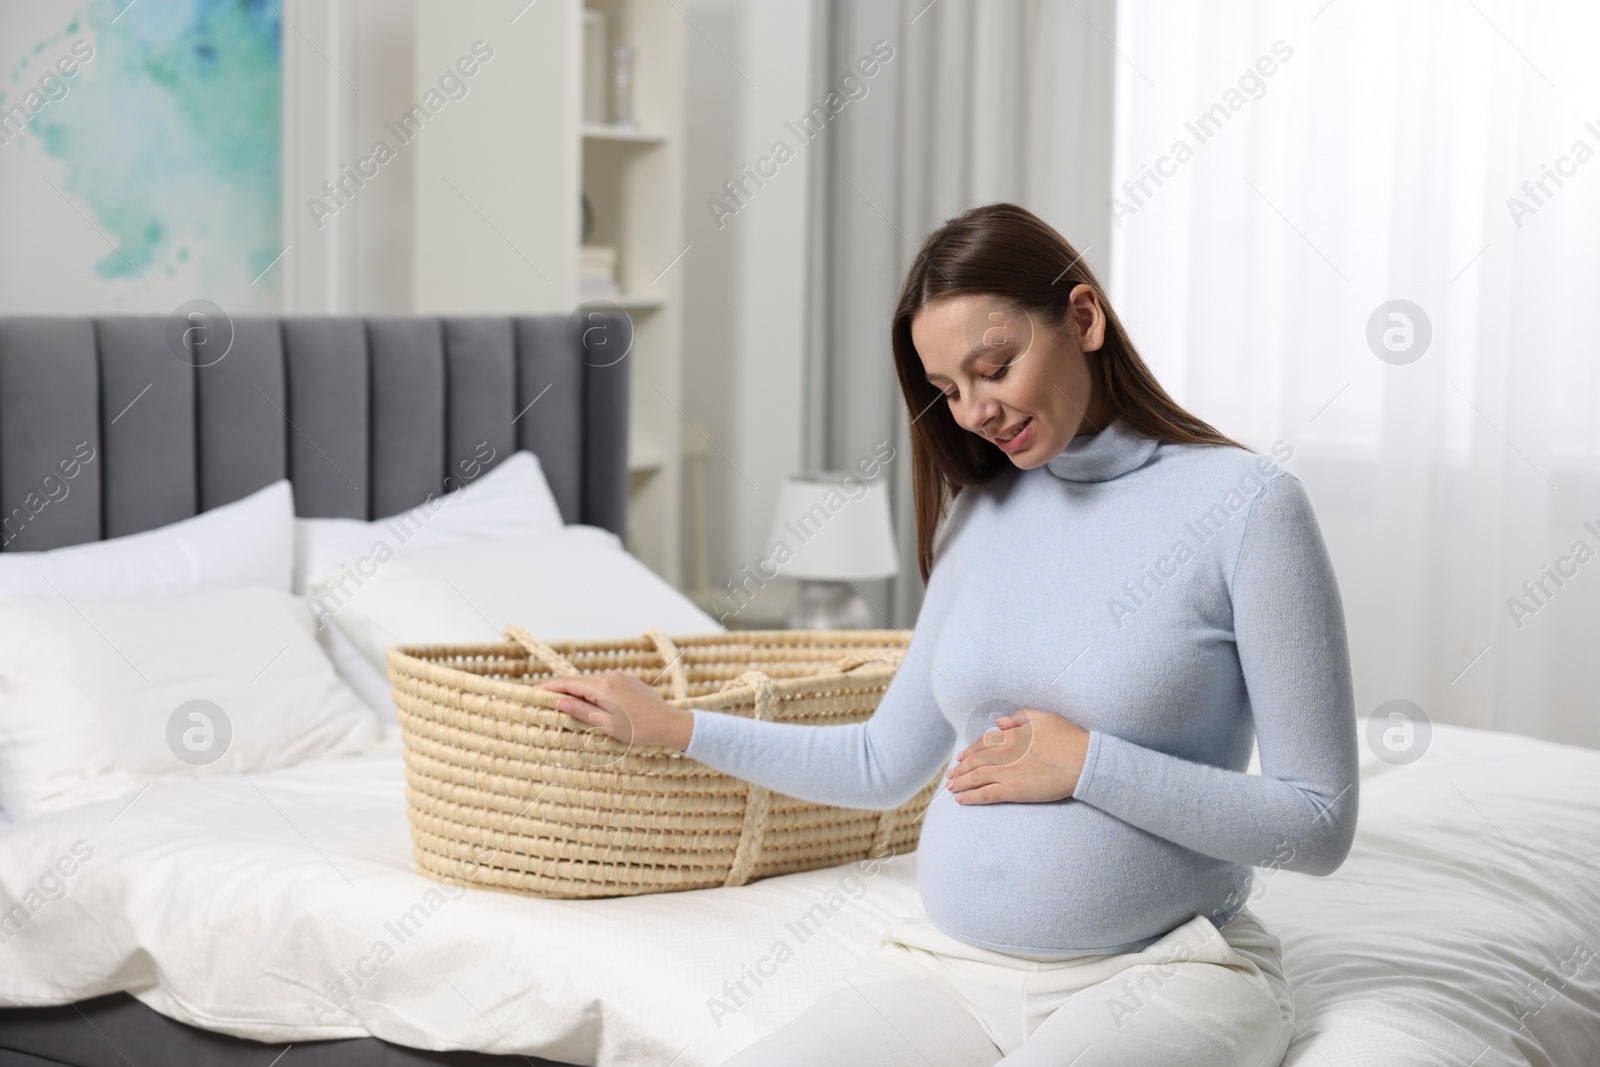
(506, 792)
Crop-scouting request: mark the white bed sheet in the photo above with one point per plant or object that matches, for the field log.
(1452, 934)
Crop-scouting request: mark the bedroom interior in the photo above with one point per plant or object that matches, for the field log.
(365, 365)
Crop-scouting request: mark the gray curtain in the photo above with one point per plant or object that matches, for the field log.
(982, 101)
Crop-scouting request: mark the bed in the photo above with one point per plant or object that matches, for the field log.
(1455, 933)
(238, 918)
(365, 416)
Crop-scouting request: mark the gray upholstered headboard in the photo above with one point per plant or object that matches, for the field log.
(366, 416)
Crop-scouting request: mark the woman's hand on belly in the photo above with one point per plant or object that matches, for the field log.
(1035, 756)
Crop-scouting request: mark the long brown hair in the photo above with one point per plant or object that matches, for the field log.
(1009, 252)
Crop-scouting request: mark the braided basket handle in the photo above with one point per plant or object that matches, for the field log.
(758, 799)
(762, 684)
(541, 652)
(847, 663)
(671, 663)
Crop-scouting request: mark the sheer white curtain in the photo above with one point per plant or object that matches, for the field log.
(984, 100)
(1354, 153)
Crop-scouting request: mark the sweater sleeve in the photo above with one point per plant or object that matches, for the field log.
(877, 764)
(1299, 813)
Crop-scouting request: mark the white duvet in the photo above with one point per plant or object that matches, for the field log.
(1463, 929)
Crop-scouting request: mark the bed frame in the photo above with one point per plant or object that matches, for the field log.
(365, 416)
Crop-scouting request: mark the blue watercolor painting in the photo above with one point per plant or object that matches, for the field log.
(170, 135)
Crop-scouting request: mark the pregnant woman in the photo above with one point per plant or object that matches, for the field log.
(1119, 599)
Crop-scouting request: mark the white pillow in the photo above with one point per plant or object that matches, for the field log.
(359, 673)
(577, 582)
(249, 542)
(513, 500)
(54, 748)
(219, 683)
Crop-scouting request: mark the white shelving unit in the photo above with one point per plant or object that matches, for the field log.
(499, 174)
(594, 132)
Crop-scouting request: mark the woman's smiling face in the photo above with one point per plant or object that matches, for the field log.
(1013, 379)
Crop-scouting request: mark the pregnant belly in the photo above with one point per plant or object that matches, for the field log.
(1058, 877)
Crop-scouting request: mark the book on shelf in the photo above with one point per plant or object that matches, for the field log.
(597, 272)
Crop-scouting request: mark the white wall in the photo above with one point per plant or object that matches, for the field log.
(497, 173)
(744, 288)
(347, 70)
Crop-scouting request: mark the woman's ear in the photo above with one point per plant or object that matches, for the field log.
(1087, 317)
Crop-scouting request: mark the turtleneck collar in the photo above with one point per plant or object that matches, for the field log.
(1112, 452)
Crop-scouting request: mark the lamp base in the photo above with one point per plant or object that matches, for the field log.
(832, 606)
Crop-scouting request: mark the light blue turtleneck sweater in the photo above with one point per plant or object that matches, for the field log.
(1173, 600)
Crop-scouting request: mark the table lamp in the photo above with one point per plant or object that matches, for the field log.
(837, 530)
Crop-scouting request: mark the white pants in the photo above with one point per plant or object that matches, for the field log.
(1198, 997)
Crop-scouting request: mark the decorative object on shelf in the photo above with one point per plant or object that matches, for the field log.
(622, 86)
(594, 66)
(586, 210)
(597, 272)
(836, 527)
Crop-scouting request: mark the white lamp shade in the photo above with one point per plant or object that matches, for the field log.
(833, 526)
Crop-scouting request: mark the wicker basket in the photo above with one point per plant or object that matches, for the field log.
(506, 792)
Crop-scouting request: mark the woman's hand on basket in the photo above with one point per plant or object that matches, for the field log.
(1035, 756)
(625, 708)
